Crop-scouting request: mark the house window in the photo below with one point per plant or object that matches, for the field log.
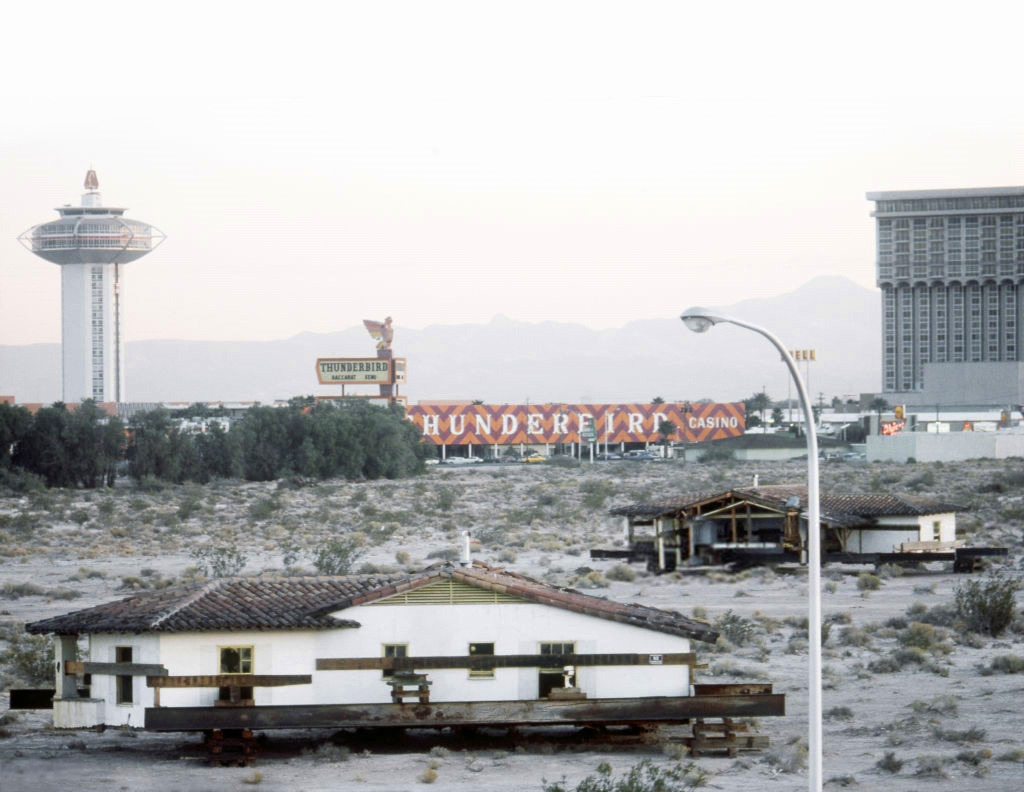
(394, 650)
(936, 530)
(555, 676)
(123, 654)
(480, 650)
(236, 660)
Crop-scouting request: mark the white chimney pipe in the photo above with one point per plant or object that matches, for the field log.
(465, 549)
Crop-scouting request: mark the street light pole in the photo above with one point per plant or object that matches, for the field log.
(700, 320)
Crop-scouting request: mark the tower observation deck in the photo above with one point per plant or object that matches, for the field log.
(92, 243)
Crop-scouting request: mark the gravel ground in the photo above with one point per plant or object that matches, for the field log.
(939, 715)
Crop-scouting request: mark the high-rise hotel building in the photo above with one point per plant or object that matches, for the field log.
(92, 243)
(950, 267)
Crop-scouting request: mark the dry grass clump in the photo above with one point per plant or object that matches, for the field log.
(428, 776)
(945, 706)
(1004, 664)
(329, 753)
(926, 637)
(931, 766)
(971, 734)
(730, 669)
(789, 759)
(868, 582)
(621, 572)
(889, 763)
(854, 636)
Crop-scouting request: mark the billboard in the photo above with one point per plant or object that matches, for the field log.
(507, 424)
(353, 371)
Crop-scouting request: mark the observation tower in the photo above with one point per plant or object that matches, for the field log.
(92, 243)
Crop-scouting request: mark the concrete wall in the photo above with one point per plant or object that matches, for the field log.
(897, 530)
(978, 383)
(513, 629)
(952, 447)
(103, 649)
(769, 454)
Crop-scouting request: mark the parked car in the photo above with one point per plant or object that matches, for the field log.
(605, 456)
(639, 456)
(534, 457)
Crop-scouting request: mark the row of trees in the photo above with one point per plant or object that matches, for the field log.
(83, 448)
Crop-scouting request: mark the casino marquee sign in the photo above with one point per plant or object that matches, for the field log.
(507, 424)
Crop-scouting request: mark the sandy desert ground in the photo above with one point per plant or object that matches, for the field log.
(906, 708)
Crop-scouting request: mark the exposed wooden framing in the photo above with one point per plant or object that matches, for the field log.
(229, 680)
(656, 709)
(749, 536)
(500, 661)
(733, 689)
(659, 537)
(732, 523)
(114, 669)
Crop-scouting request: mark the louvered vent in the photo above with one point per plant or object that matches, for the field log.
(447, 592)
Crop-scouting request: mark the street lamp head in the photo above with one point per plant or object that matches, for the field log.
(699, 320)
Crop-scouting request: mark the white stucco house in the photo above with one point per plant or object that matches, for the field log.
(304, 648)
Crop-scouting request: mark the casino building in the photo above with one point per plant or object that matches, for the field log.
(92, 243)
(950, 264)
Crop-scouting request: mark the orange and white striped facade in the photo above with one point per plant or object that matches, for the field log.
(507, 424)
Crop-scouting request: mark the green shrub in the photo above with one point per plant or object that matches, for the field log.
(736, 629)
(264, 508)
(446, 497)
(889, 763)
(337, 556)
(218, 560)
(596, 492)
(643, 777)
(188, 507)
(987, 606)
(28, 658)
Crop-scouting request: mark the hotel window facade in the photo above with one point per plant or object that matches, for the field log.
(949, 265)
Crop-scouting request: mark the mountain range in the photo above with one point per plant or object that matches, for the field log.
(506, 361)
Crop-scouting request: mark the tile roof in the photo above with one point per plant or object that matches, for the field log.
(223, 604)
(835, 509)
(307, 603)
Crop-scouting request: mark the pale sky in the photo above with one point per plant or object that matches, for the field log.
(314, 164)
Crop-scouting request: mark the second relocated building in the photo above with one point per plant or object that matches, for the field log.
(764, 524)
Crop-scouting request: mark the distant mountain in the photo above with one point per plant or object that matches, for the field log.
(510, 361)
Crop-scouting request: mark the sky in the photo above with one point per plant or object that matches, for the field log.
(315, 164)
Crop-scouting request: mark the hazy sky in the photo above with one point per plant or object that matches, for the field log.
(313, 164)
